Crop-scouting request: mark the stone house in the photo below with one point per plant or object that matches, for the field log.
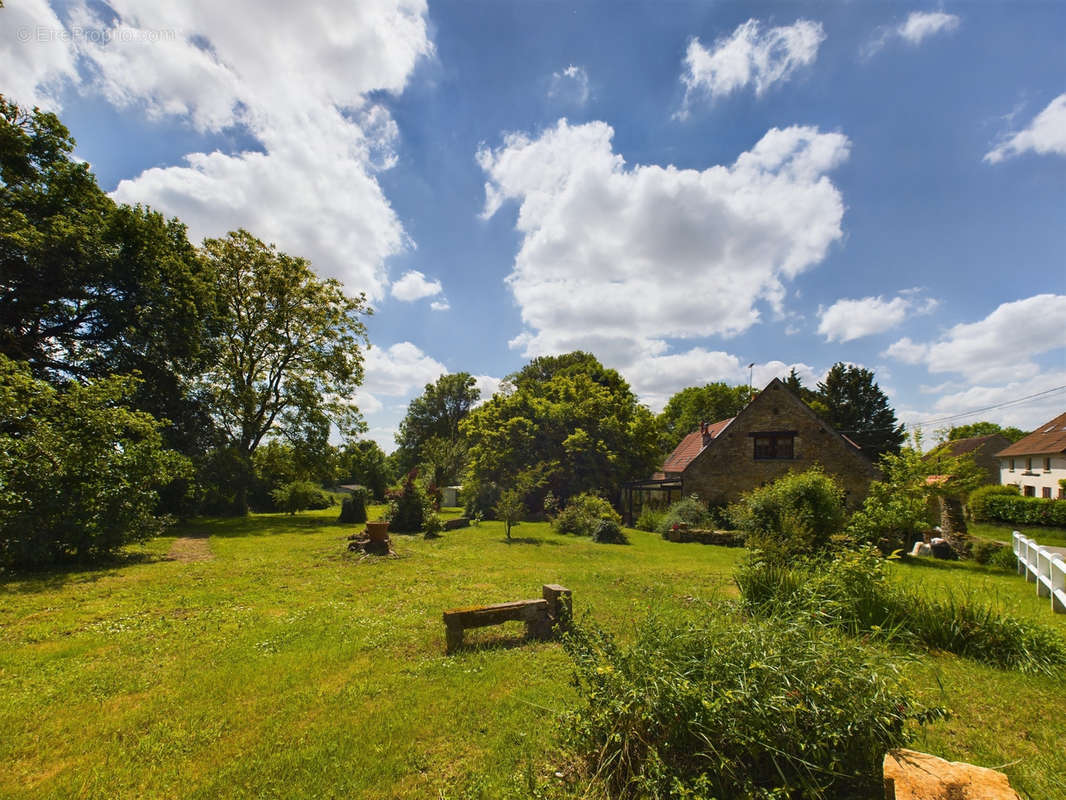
(774, 434)
(1036, 463)
(983, 449)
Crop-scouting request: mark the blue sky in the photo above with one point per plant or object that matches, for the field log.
(680, 188)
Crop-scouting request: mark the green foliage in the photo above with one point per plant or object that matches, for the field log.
(289, 349)
(366, 464)
(511, 508)
(650, 519)
(607, 531)
(897, 508)
(353, 507)
(429, 434)
(409, 506)
(1025, 510)
(79, 473)
(583, 514)
(854, 405)
(432, 526)
(793, 516)
(984, 429)
(975, 503)
(480, 499)
(568, 419)
(689, 407)
(853, 593)
(689, 512)
(1003, 558)
(984, 550)
(300, 496)
(716, 705)
(89, 288)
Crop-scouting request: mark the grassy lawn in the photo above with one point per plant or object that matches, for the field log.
(1054, 537)
(284, 666)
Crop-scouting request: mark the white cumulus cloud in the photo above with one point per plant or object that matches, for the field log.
(1045, 134)
(415, 286)
(750, 56)
(849, 319)
(309, 184)
(998, 348)
(920, 25)
(617, 260)
(36, 60)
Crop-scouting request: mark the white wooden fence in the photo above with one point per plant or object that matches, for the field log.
(1043, 567)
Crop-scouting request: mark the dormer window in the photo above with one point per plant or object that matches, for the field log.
(774, 445)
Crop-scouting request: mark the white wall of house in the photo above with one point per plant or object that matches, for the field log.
(1040, 472)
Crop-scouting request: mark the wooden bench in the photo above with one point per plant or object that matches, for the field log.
(540, 616)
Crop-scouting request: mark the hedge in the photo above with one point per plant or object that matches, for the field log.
(1026, 510)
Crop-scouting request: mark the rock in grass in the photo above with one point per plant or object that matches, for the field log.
(910, 775)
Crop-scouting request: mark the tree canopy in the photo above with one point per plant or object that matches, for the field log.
(856, 407)
(289, 348)
(984, 429)
(570, 422)
(711, 402)
(429, 433)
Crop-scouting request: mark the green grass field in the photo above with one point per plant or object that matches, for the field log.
(284, 666)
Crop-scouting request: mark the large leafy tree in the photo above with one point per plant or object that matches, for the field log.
(89, 288)
(365, 463)
(429, 433)
(855, 406)
(289, 350)
(568, 422)
(689, 407)
(79, 471)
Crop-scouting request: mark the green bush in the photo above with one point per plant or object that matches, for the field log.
(794, 516)
(353, 507)
(983, 550)
(1004, 558)
(608, 531)
(687, 512)
(582, 515)
(975, 503)
(650, 519)
(853, 593)
(1016, 510)
(480, 499)
(299, 496)
(409, 506)
(716, 705)
(79, 473)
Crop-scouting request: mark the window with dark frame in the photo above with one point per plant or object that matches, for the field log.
(1047, 465)
(1029, 491)
(1046, 492)
(774, 445)
(1012, 465)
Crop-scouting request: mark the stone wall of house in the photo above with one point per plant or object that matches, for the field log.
(728, 468)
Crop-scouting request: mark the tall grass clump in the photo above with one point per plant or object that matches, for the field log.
(854, 593)
(583, 514)
(716, 705)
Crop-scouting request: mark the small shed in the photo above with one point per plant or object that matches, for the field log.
(449, 496)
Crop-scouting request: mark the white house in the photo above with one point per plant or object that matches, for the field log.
(1037, 463)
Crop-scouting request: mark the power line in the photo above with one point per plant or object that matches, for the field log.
(1017, 401)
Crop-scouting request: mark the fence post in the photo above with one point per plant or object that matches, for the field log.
(1058, 584)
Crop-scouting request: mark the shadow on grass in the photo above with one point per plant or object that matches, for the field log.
(50, 579)
(948, 565)
(533, 540)
(495, 641)
(258, 525)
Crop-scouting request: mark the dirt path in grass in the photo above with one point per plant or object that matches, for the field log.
(191, 548)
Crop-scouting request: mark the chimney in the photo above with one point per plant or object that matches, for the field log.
(706, 435)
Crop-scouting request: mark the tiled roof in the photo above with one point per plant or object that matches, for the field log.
(691, 446)
(959, 447)
(1047, 438)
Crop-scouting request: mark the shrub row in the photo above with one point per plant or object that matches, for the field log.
(720, 538)
(975, 503)
(1016, 510)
